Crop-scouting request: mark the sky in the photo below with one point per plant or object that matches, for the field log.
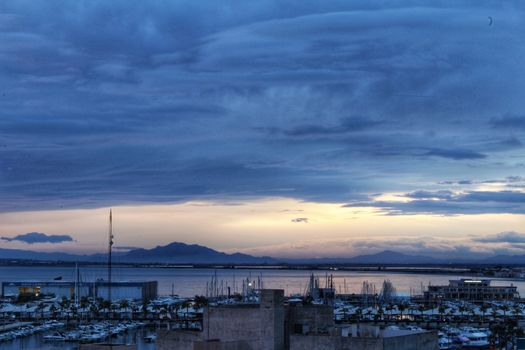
(286, 128)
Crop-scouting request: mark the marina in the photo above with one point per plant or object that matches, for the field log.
(461, 323)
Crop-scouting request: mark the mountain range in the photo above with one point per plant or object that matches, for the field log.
(181, 253)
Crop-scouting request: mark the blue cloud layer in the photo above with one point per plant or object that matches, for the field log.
(37, 237)
(126, 101)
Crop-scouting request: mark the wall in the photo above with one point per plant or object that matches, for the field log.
(272, 319)
(220, 345)
(318, 319)
(119, 292)
(329, 342)
(106, 347)
(232, 323)
(240, 327)
(180, 340)
(419, 341)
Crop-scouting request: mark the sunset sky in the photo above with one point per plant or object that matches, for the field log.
(286, 128)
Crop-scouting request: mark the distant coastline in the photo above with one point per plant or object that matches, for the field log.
(458, 269)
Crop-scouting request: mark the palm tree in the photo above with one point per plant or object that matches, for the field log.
(380, 313)
(53, 310)
(421, 310)
(516, 311)
(106, 305)
(462, 310)
(200, 301)
(358, 313)
(94, 310)
(84, 303)
(134, 310)
(401, 307)
(74, 310)
(441, 311)
(145, 309)
(369, 314)
(40, 309)
(186, 304)
(389, 308)
(484, 307)
(505, 308)
(124, 305)
(494, 314)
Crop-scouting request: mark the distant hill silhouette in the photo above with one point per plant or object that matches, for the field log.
(32, 255)
(177, 252)
(182, 253)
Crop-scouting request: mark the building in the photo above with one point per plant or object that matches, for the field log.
(99, 289)
(274, 325)
(366, 337)
(471, 290)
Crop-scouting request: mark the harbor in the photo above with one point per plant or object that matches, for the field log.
(460, 321)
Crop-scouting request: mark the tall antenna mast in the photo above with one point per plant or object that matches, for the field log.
(110, 244)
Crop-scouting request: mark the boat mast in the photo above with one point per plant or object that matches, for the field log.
(76, 285)
(110, 244)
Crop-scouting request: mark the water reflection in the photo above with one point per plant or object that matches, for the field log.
(35, 341)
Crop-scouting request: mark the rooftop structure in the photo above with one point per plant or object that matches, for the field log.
(474, 290)
(272, 325)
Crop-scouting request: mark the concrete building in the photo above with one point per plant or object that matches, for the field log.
(470, 290)
(366, 337)
(98, 289)
(272, 325)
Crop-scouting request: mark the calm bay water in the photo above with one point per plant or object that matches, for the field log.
(190, 282)
(36, 342)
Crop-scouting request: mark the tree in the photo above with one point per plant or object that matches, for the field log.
(505, 308)
(441, 311)
(186, 304)
(379, 314)
(124, 305)
(401, 307)
(421, 308)
(358, 313)
(94, 310)
(74, 310)
(134, 310)
(106, 305)
(84, 304)
(462, 310)
(64, 302)
(389, 308)
(145, 309)
(53, 310)
(200, 301)
(40, 309)
(483, 308)
(505, 333)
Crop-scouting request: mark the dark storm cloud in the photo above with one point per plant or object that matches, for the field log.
(457, 154)
(347, 125)
(447, 203)
(509, 121)
(166, 101)
(37, 237)
(303, 220)
(430, 194)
